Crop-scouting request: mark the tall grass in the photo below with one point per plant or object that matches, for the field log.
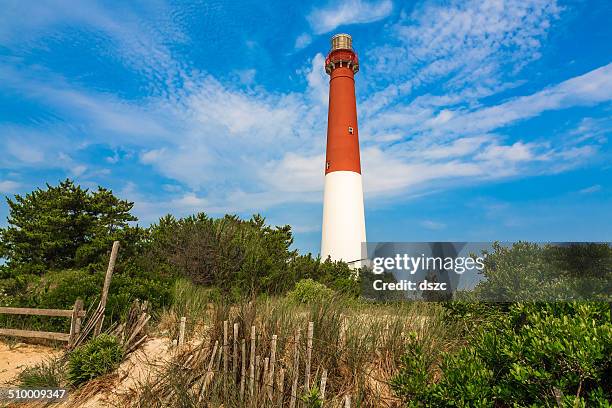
(46, 374)
(190, 301)
(359, 345)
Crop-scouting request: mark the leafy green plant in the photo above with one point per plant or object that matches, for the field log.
(529, 355)
(308, 291)
(97, 357)
(47, 374)
(312, 398)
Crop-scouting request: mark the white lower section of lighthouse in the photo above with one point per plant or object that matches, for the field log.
(343, 217)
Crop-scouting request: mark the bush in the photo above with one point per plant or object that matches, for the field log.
(312, 398)
(47, 374)
(308, 291)
(60, 289)
(520, 358)
(97, 357)
(224, 252)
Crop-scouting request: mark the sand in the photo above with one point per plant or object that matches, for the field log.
(14, 358)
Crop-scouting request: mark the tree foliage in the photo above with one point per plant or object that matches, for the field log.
(236, 255)
(64, 226)
(534, 272)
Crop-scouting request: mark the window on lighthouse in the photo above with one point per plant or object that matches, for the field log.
(350, 129)
(327, 165)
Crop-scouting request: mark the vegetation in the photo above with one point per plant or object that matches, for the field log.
(63, 227)
(531, 355)
(97, 357)
(308, 291)
(58, 239)
(360, 347)
(531, 272)
(239, 257)
(47, 374)
(213, 270)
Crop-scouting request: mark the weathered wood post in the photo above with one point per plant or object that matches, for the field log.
(281, 386)
(235, 353)
(252, 361)
(272, 365)
(296, 369)
(181, 338)
(75, 323)
(107, 281)
(243, 368)
(308, 356)
(323, 385)
(225, 346)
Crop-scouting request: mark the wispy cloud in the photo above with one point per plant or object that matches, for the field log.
(432, 225)
(590, 190)
(220, 147)
(9, 186)
(303, 41)
(337, 13)
(473, 47)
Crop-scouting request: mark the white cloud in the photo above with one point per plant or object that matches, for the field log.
(456, 148)
(432, 225)
(9, 186)
(590, 190)
(247, 149)
(421, 119)
(318, 81)
(344, 12)
(470, 46)
(302, 41)
(246, 76)
(504, 154)
(589, 89)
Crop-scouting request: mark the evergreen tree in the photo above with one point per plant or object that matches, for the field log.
(63, 226)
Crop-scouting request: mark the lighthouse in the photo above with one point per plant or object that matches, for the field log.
(343, 214)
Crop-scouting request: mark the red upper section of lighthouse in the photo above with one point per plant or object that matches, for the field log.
(342, 133)
(341, 58)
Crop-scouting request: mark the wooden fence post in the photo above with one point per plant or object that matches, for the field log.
(75, 322)
(235, 353)
(323, 385)
(272, 365)
(296, 369)
(308, 356)
(107, 280)
(225, 346)
(252, 361)
(243, 369)
(281, 386)
(181, 338)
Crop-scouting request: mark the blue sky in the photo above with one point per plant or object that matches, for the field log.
(479, 120)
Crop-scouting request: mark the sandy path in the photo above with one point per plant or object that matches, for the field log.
(14, 359)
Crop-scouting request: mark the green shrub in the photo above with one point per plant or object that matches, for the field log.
(308, 291)
(60, 289)
(312, 398)
(97, 357)
(519, 358)
(226, 252)
(47, 374)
